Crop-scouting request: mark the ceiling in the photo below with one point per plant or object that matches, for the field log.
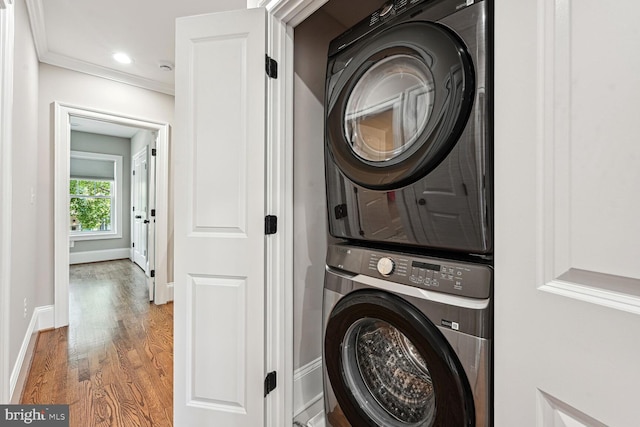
(82, 124)
(83, 35)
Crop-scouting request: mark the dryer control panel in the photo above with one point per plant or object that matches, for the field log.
(436, 274)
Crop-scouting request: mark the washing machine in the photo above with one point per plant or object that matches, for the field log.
(407, 340)
(408, 127)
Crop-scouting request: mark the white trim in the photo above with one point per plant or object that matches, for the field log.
(170, 291)
(599, 295)
(41, 319)
(6, 118)
(317, 421)
(98, 256)
(39, 31)
(284, 16)
(279, 355)
(62, 115)
(35, 11)
(307, 386)
(292, 12)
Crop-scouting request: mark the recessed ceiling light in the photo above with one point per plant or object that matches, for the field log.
(122, 58)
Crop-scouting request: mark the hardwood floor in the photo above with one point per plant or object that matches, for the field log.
(113, 364)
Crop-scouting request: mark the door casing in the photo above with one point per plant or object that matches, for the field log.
(62, 115)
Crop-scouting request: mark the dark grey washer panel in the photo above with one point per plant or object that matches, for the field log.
(440, 275)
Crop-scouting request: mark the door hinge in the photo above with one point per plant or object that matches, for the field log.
(153, 151)
(270, 383)
(271, 66)
(153, 212)
(133, 245)
(134, 172)
(152, 273)
(270, 224)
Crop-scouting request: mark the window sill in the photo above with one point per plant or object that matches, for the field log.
(94, 236)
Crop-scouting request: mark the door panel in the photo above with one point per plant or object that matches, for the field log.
(567, 284)
(219, 219)
(140, 207)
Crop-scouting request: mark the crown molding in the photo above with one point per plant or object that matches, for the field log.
(73, 64)
(291, 12)
(39, 31)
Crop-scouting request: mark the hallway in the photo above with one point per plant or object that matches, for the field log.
(113, 364)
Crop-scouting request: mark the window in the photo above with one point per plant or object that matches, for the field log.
(95, 185)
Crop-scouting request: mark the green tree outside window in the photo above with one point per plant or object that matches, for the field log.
(90, 205)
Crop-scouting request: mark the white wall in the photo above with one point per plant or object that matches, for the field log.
(26, 194)
(82, 90)
(142, 138)
(312, 38)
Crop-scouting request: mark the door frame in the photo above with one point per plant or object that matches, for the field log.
(6, 101)
(284, 15)
(62, 134)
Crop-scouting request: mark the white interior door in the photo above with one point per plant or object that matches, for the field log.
(139, 196)
(219, 219)
(567, 268)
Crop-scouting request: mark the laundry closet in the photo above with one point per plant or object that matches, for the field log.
(404, 117)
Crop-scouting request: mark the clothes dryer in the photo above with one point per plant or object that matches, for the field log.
(407, 340)
(408, 127)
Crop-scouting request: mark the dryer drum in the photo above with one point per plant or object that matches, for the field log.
(390, 366)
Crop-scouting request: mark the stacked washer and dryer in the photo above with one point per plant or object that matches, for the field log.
(408, 315)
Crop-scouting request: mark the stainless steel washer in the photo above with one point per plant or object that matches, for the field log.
(407, 340)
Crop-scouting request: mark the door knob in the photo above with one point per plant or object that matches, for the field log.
(138, 216)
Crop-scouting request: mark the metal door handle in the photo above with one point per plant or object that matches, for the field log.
(146, 221)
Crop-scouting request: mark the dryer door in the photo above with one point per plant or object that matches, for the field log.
(390, 366)
(399, 105)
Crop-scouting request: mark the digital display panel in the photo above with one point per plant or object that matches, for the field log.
(434, 267)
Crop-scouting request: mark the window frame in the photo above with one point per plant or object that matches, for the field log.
(116, 197)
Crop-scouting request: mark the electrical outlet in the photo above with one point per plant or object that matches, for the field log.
(25, 308)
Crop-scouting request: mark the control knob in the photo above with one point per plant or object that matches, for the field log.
(386, 266)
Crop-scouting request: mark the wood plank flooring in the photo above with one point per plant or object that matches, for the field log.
(113, 364)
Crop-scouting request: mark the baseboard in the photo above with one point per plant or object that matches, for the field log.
(307, 386)
(169, 291)
(97, 256)
(42, 318)
(317, 421)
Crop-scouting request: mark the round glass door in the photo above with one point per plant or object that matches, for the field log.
(389, 108)
(389, 366)
(380, 361)
(399, 105)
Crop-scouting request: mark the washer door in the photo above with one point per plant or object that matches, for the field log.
(389, 366)
(399, 105)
